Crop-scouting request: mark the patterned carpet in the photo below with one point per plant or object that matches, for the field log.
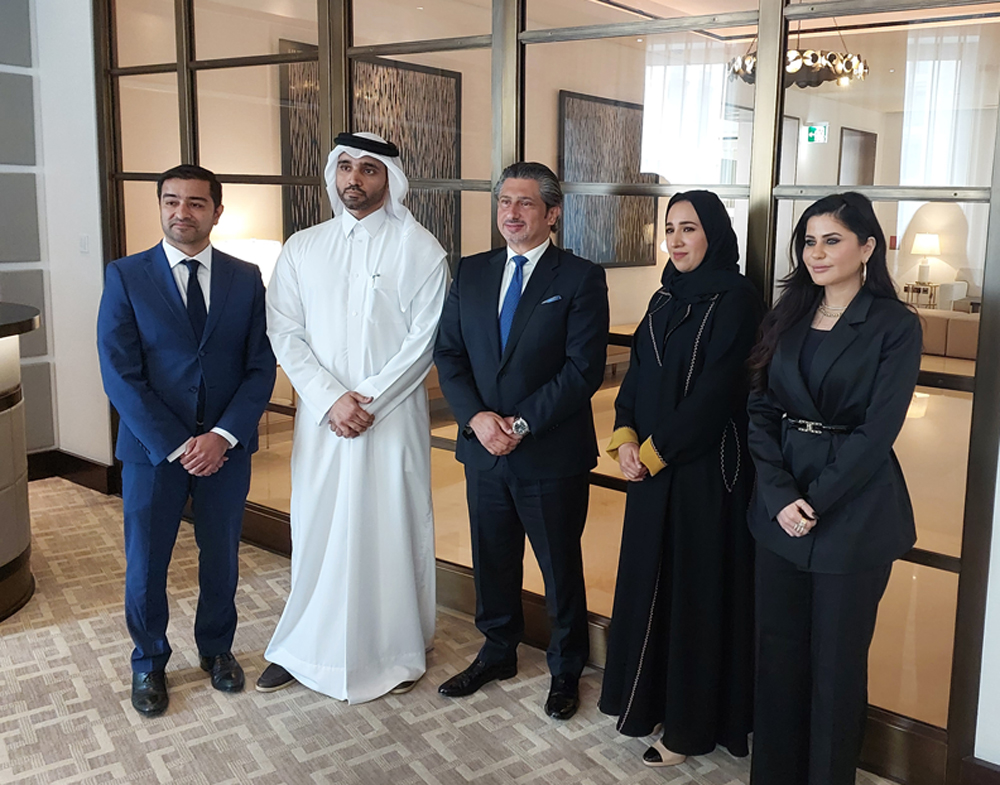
(65, 715)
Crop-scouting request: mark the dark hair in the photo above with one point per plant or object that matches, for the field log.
(547, 181)
(799, 295)
(191, 172)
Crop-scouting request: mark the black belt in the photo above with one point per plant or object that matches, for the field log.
(808, 426)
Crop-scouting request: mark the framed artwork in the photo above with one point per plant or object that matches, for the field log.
(301, 205)
(600, 142)
(416, 107)
(420, 110)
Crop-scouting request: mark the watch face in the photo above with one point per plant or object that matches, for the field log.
(520, 427)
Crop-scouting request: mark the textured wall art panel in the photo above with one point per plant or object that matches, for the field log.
(419, 109)
(302, 205)
(600, 142)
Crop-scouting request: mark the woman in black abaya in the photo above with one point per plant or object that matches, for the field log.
(680, 653)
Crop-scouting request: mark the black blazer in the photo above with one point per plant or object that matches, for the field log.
(862, 377)
(553, 363)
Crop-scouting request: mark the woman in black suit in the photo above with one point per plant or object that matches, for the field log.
(833, 375)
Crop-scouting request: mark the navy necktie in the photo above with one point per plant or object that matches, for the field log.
(511, 299)
(197, 312)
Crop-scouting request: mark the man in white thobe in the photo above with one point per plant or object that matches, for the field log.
(352, 311)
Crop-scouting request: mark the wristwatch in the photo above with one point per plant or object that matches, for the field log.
(520, 427)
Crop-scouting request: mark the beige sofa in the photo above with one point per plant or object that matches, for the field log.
(950, 333)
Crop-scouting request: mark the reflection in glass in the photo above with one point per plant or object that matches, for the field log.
(145, 32)
(910, 659)
(933, 449)
(285, 120)
(435, 106)
(695, 120)
(601, 537)
(928, 106)
(544, 14)
(388, 21)
(150, 124)
(954, 275)
(142, 216)
(237, 28)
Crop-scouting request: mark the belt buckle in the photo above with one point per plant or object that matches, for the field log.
(811, 427)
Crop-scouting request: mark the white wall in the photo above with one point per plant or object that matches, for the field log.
(70, 211)
(988, 728)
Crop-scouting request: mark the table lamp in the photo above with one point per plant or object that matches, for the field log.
(925, 245)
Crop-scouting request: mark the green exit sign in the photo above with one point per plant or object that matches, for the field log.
(818, 133)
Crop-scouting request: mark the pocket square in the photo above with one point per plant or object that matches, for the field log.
(554, 298)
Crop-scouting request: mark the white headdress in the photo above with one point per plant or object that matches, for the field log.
(357, 146)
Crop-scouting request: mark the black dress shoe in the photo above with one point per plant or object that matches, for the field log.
(227, 675)
(475, 676)
(274, 678)
(149, 693)
(564, 697)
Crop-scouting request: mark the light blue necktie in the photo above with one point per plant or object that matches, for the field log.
(511, 299)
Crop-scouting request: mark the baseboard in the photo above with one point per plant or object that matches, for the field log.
(904, 749)
(979, 772)
(267, 528)
(56, 463)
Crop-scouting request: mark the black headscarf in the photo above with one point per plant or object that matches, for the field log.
(719, 271)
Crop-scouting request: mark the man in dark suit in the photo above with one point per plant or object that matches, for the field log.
(521, 349)
(186, 362)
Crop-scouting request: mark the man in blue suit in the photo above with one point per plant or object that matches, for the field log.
(186, 363)
(521, 349)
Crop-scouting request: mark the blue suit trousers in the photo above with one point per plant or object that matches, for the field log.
(154, 499)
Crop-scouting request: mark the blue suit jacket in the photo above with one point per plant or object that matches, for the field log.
(152, 364)
(552, 365)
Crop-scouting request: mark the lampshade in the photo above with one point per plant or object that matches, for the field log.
(926, 245)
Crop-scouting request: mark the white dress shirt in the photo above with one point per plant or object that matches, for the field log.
(529, 266)
(176, 258)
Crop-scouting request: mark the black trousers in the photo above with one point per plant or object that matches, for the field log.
(813, 635)
(502, 510)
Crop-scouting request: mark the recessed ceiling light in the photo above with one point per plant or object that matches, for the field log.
(639, 40)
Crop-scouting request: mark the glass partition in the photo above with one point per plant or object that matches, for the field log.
(146, 32)
(238, 28)
(544, 14)
(389, 21)
(909, 664)
(150, 122)
(925, 114)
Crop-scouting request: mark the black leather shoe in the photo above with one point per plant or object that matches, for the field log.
(475, 676)
(274, 678)
(564, 697)
(149, 693)
(227, 675)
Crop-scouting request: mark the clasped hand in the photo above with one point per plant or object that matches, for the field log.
(632, 467)
(347, 418)
(205, 454)
(798, 518)
(495, 433)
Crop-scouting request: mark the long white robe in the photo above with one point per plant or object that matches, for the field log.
(359, 312)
